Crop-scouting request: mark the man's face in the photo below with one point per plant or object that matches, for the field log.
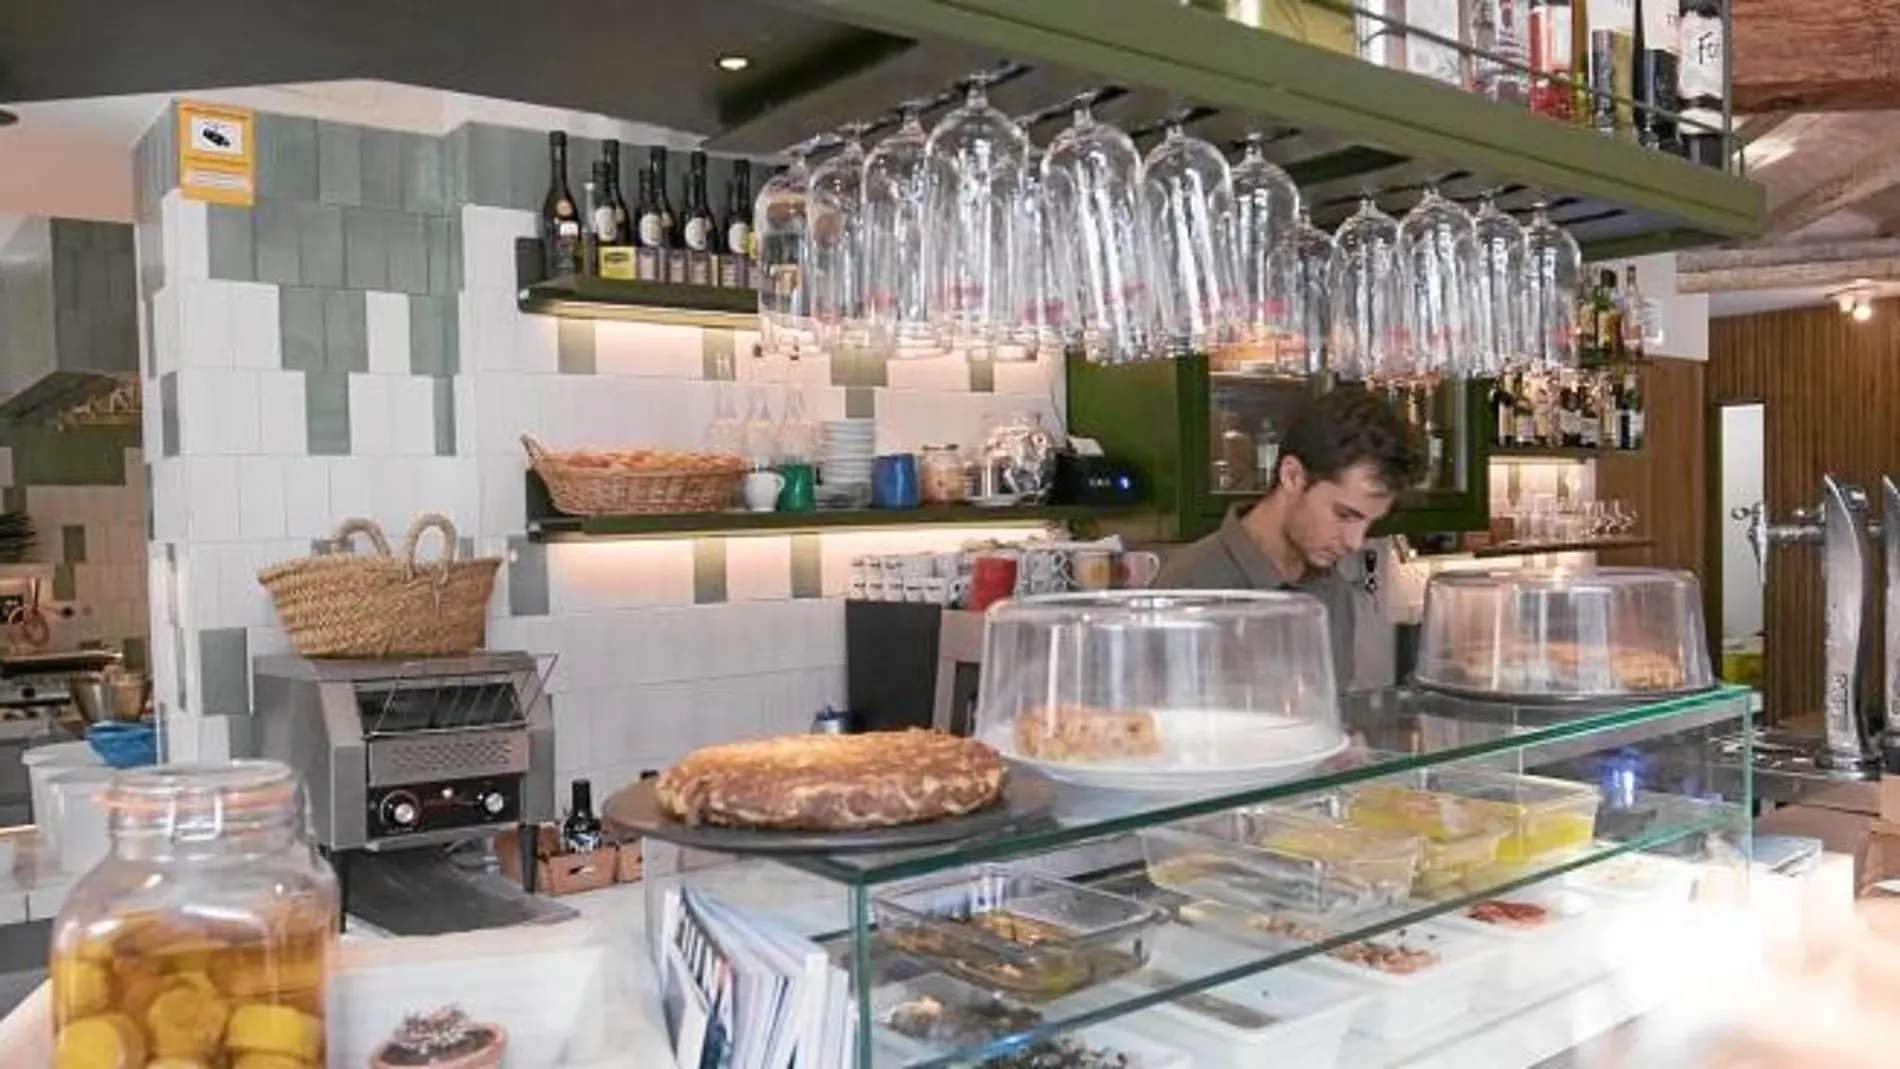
(1329, 517)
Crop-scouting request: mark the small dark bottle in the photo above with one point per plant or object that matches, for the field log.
(669, 223)
(1701, 81)
(700, 229)
(598, 231)
(580, 832)
(560, 219)
(650, 226)
(615, 200)
(737, 233)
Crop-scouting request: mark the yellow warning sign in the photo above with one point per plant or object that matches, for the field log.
(217, 153)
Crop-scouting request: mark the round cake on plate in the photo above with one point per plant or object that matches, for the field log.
(832, 782)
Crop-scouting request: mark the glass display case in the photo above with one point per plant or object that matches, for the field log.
(1461, 863)
(1564, 635)
(1206, 437)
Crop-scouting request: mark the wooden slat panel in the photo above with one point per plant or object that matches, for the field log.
(1828, 389)
(1666, 482)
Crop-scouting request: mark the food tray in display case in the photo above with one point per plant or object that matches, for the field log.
(1535, 820)
(1267, 857)
(1564, 635)
(1454, 857)
(1024, 935)
(1544, 933)
(1161, 691)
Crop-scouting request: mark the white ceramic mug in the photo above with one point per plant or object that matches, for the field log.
(761, 490)
(1135, 570)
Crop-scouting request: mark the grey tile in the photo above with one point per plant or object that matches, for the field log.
(14, 498)
(575, 339)
(455, 153)
(508, 167)
(982, 376)
(444, 416)
(72, 543)
(300, 328)
(528, 158)
(340, 164)
(167, 414)
(224, 659)
(433, 336)
(718, 363)
(382, 169)
(808, 555)
(465, 548)
(151, 244)
(320, 244)
(240, 731)
(326, 410)
(345, 331)
(406, 236)
(286, 158)
(365, 248)
(527, 577)
(709, 571)
(860, 402)
(65, 583)
(859, 367)
(444, 240)
(277, 257)
(424, 186)
(138, 653)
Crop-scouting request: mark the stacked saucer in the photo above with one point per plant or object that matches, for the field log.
(845, 452)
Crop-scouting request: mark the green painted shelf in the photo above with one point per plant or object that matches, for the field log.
(1513, 452)
(586, 528)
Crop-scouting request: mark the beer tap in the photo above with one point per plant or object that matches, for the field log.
(1840, 524)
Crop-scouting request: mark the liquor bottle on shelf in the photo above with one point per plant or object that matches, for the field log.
(596, 213)
(560, 220)
(1631, 431)
(1590, 432)
(1634, 316)
(1612, 61)
(1658, 45)
(1580, 99)
(1609, 407)
(1440, 62)
(1500, 27)
(669, 223)
(580, 832)
(1551, 52)
(1609, 310)
(1235, 471)
(1544, 413)
(1266, 451)
(1701, 82)
(737, 232)
(1569, 414)
(614, 201)
(650, 231)
(1524, 411)
(699, 231)
(1503, 412)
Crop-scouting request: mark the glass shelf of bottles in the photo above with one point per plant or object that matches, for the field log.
(1249, 412)
(1641, 784)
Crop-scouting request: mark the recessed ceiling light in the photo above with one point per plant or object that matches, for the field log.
(733, 63)
(8, 118)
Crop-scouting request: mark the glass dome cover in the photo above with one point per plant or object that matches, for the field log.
(1564, 634)
(1169, 691)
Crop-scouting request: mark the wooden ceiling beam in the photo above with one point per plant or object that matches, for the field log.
(1779, 267)
(1877, 171)
(1813, 56)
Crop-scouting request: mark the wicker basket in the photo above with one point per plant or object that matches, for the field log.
(383, 606)
(587, 490)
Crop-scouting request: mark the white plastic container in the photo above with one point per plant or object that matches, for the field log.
(1567, 943)
(1641, 901)
(78, 819)
(44, 762)
(1310, 1013)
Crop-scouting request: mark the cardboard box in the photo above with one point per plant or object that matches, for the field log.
(556, 873)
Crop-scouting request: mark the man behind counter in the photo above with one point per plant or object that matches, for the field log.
(1343, 459)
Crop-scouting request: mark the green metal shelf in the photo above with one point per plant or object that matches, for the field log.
(1540, 452)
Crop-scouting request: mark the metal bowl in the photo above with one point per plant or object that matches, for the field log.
(101, 697)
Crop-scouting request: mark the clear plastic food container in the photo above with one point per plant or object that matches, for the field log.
(1545, 933)
(1027, 935)
(1291, 1017)
(1454, 856)
(1564, 634)
(1276, 859)
(1161, 691)
(940, 1011)
(1534, 820)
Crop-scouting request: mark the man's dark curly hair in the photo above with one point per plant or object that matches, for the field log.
(1341, 428)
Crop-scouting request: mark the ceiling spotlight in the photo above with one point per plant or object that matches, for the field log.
(1863, 310)
(733, 63)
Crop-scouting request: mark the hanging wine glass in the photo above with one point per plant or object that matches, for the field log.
(1092, 181)
(1435, 261)
(895, 224)
(974, 162)
(1037, 280)
(778, 223)
(1266, 210)
(1187, 197)
(1497, 289)
(1552, 283)
(1366, 297)
(1297, 288)
(834, 223)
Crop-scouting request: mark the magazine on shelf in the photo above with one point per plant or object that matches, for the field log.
(742, 991)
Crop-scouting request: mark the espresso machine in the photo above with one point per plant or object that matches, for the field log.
(1842, 526)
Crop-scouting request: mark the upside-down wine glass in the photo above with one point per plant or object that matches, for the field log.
(1497, 290)
(1092, 181)
(1187, 196)
(779, 224)
(1266, 212)
(1436, 259)
(1297, 292)
(1552, 282)
(835, 246)
(974, 164)
(897, 282)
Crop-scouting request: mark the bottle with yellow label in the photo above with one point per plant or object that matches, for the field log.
(204, 936)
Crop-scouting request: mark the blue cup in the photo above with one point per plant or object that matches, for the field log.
(894, 482)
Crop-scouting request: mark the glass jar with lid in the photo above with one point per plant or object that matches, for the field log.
(943, 479)
(204, 936)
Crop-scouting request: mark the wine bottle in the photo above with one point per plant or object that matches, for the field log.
(738, 228)
(560, 221)
(580, 832)
(650, 232)
(1569, 416)
(1589, 433)
(600, 219)
(669, 223)
(1634, 316)
(1550, 41)
(1609, 313)
(1503, 412)
(1499, 28)
(615, 196)
(1658, 41)
(1701, 80)
(700, 227)
(1612, 51)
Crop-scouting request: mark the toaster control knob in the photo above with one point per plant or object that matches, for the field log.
(494, 803)
(400, 810)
